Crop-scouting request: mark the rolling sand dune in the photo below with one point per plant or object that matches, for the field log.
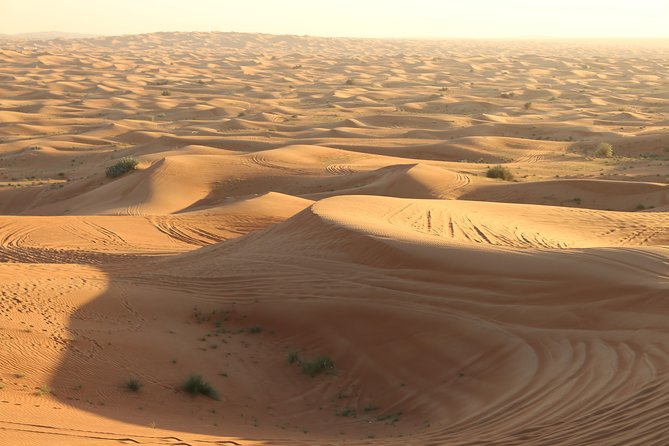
(301, 200)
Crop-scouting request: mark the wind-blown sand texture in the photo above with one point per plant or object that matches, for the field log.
(329, 197)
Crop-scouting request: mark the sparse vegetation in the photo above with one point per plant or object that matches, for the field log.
(43, 390)
(348, 412)
(122, 166)
(196, 385)
(293, 357)
(166, 93)
(350, 81)
(133, 384)
(316, 366)
(528, 105)
(391, 418)
(507, 95)
(500, 172)
(604, 150)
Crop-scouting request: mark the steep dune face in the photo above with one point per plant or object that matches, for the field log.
(312, 229)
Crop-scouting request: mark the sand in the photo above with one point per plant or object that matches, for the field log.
(302, 197)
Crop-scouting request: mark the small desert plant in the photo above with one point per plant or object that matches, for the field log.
(123, 166)
(195, 385)
(318, 365)
(348, 412)
(166, 93)
(500, 172)
(604, 150)
(507, 95)
(528, 105)
(43, 390)
(350, 81)
(293, 357)
(133, 384)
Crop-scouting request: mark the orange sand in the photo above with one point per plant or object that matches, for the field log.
(278, 208)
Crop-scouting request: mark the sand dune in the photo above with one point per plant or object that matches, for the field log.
(298, 198)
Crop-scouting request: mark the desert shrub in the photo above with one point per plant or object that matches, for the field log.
(293, 357)
(350, 81)
(122, 166)
(133, 384)
(43, 390)
(166, 93)
(500, 172)
(318, 365)
(604, 150)
(195, 385)
(528, 105)
(508, 95)
(348, 412)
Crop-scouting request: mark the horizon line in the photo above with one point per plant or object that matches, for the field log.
(432, 38)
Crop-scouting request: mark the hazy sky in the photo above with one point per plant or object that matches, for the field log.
(358, 18)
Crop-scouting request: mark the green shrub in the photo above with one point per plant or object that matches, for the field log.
(195, 385)
(124, 165)
(500, 172)
(43, 390)
(318, 365)
(293, 357)
(133, 384)
(604, 150)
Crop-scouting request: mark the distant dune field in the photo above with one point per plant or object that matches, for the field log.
(312, 226)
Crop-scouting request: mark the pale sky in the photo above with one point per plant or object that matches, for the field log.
(354, 18)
